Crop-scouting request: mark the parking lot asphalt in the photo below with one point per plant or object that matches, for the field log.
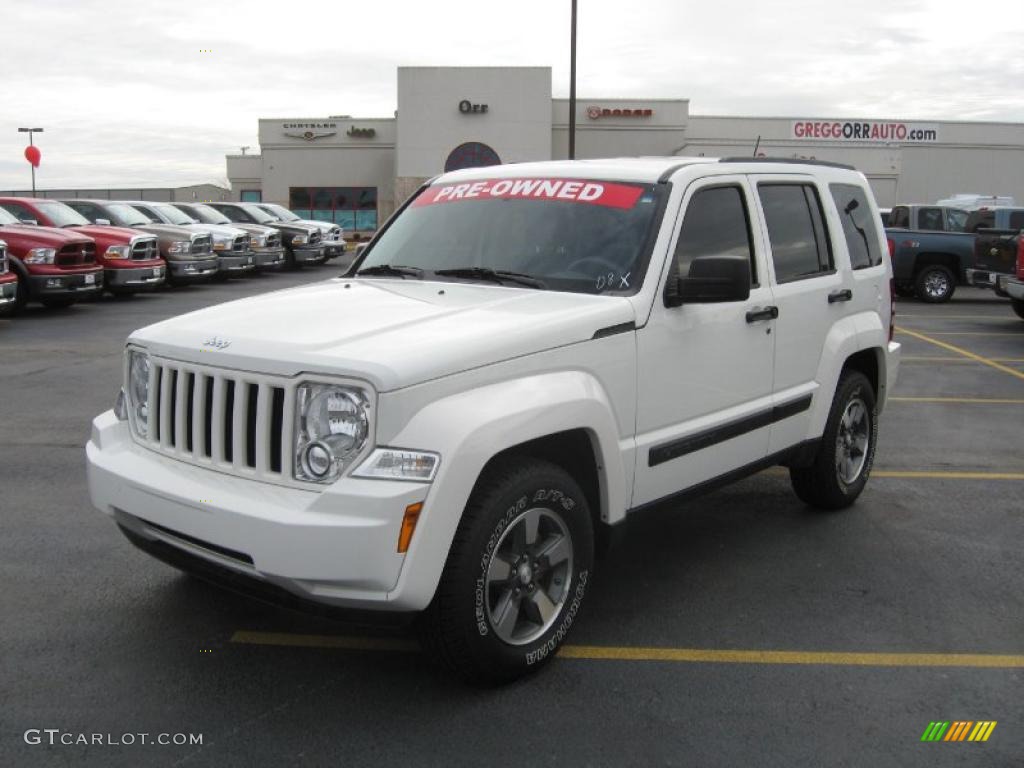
(737, 629)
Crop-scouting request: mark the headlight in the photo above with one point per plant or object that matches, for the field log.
(331, 427)
(138, 392)
(300, 240)
(118, 252)
(395, 464)
(222, 242)
(180, 247)
(40, 256)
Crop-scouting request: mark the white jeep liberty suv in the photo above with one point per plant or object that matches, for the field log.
(523, 355)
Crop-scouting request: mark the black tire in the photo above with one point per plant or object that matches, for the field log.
(290, 262)
(935, 284)
(20, 295)
(458, 628)
(821, 484)
(1018, 307)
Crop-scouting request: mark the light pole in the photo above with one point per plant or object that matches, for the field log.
(572, 86)
(30, 131)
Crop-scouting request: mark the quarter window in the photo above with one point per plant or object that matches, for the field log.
(796, 231)
(956, 220)
(716, 224)
(858, 225)
(929, 218)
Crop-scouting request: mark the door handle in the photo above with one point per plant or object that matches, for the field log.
(768, 313)
(844, 295)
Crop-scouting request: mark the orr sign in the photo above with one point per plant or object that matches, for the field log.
(865, 131)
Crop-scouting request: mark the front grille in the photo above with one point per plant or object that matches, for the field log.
(202, 245)
(335, 234)
(143, 250)
(241, 244)
(75, 255)
(314, 238)
(225, 420)
(273, 241)
(3, 260)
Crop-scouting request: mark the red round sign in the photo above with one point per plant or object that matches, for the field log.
(33, 155)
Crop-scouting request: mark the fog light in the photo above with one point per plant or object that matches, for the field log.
(54, 282)
(318, 459)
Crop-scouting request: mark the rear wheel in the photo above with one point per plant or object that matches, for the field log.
(1018, 307)
(516, 574)
(935, 284)
(847, 451)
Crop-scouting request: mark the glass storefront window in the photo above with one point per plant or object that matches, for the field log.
(351, 208)
(251, 196)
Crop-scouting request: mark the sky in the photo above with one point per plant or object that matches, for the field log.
(153, 93)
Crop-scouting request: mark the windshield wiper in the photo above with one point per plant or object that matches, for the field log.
(391, 269)
(492, 275)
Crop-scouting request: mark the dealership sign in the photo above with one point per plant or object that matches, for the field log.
(596, 113)
(865, 130)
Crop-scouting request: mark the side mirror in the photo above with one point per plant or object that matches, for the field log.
(30, 222)
(711, 279)
(103, 222)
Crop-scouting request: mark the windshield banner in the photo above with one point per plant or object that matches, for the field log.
(623, 196)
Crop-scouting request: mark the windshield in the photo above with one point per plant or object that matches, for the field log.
(572, 235)
(209, 215)
(174, 215)
(280, 212)
(62, 215)
(259, 215)
(124, 215)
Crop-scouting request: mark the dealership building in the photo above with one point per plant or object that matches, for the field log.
(355, 171)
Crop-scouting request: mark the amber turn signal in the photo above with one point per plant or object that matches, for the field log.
(412, 515)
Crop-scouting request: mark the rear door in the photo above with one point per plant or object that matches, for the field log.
(705, 370)
(810, 293)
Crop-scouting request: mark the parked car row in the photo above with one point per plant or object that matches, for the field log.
(57, 252)
(935, 248)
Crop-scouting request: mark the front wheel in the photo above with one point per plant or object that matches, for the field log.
(847, 451)
(516, 574)
(935, 284)
(1018, 307)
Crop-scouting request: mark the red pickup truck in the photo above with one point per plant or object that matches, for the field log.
(54, 266)
(8, 282)
(130, 259)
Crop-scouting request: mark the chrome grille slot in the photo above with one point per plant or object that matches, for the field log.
(226, 420)
(273, 241)
(143, 250)
(240, 245)
(202, 245)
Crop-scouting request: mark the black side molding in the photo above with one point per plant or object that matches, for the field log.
(612, 330)
(659, 454)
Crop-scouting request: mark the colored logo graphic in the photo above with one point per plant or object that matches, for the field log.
(959, 730)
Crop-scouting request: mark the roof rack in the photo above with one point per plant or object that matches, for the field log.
(789, 160)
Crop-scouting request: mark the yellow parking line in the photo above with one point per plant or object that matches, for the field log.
(945, 475)
(964, 352)
(962, 333)
(698, 655)
(1001, 318)
(942, 359)
(979, 400)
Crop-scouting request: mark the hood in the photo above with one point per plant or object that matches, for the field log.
(323, 226)
(29, 236)
(256, 229)
(295, 227)
(391, 333)
(223, 230)
(166, 231)
(110, 234)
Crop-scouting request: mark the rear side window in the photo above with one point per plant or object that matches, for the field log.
(956, 220)
(858, 225)
(981, 219)
(1017, 220)
(716, 224)
(929, 218)
(900, 217)
(796, 230)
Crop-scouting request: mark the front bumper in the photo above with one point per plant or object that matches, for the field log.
(192, 269)
(333, 248)
(134, 277)
(8, 290)
(1013, 287)
(335, 546)
(309, 254)
(74, 283)
(269, 258)
(233, 263)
